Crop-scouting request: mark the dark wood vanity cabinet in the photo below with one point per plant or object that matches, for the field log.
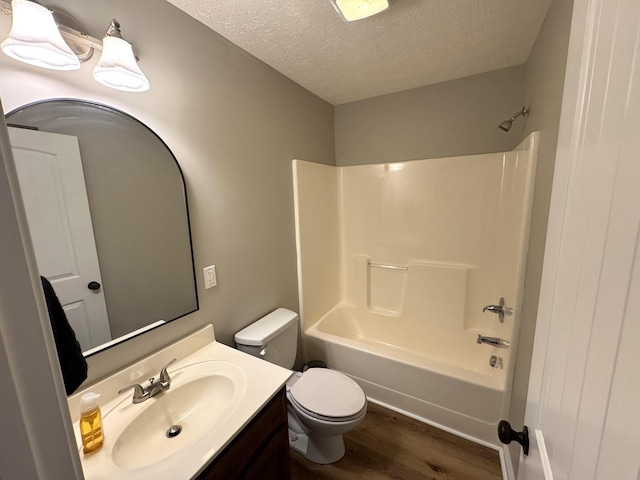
(260, 451)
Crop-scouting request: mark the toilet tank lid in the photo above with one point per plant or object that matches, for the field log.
(266, 328)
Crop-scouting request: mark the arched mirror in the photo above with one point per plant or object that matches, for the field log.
(107, 210)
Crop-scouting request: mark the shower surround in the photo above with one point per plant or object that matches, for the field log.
(396, 262)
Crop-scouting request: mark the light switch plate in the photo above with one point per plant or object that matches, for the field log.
(210, 279)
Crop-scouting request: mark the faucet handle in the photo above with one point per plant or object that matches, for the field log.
(140, 394)
(501, 310)
(164, 375)
(138, 391)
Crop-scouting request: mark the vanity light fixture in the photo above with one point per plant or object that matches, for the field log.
(36, 40)
(38, 37)
(352, 10)
(117, 67)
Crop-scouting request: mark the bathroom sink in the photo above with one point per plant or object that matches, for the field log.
(201, 397)
(215, 392)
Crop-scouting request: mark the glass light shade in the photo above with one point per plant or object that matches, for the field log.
(117, 67)
(36, 40)
(358, 9)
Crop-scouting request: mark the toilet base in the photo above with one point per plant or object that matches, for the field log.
(318, 449)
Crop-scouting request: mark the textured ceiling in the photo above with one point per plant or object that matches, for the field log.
(414, 43)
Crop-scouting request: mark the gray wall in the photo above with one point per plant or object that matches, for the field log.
(234, 124)
(458, 117)
(544, 86)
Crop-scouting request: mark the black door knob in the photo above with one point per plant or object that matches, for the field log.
(93, 286)
(506, 434)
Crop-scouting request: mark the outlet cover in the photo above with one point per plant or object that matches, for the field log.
(210, 279)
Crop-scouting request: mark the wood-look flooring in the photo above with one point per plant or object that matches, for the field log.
(387, 445)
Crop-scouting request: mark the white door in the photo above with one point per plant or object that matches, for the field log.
(55, 198)
(584, 390)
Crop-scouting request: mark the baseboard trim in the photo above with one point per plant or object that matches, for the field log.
(505, 463)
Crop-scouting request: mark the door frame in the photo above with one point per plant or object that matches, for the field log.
(33, 399)
(588, 262)
(572, 117)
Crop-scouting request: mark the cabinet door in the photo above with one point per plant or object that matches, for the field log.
(260, 451)
(272, 463)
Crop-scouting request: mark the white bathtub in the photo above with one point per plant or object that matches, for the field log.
(445, 380)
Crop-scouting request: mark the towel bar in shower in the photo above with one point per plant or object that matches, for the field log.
(390, 267)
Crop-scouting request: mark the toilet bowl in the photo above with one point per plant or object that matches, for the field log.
(323, 404)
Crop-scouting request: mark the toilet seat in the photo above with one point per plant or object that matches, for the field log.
(300, 409)
(328, 395)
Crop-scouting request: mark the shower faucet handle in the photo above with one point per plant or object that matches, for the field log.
(501, 310)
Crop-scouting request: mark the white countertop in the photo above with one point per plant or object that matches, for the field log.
(262, 381)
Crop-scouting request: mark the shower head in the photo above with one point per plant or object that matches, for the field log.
(506, 125)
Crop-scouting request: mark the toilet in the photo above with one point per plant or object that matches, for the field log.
(323, 404)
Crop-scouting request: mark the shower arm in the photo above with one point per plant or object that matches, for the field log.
(524, 112)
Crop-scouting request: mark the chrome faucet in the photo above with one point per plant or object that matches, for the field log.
(493, 341)
(140, 393)
(499, 309)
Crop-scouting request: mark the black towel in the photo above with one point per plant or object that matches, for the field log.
(72, 362)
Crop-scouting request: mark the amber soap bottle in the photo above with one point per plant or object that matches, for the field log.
(90, 423)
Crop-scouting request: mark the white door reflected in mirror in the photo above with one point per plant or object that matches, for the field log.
(51, 179)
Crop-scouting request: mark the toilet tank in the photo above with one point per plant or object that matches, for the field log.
(273, 337)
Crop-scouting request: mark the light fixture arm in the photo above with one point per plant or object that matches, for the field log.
(77, 36)
(113, 30)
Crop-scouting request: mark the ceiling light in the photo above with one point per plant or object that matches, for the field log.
(36, 40)
(117, 67)
(358, 9)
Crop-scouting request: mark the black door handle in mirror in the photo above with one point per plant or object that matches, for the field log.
(506, 434)
(93, 286)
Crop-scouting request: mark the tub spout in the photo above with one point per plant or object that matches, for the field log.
(493, 341)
